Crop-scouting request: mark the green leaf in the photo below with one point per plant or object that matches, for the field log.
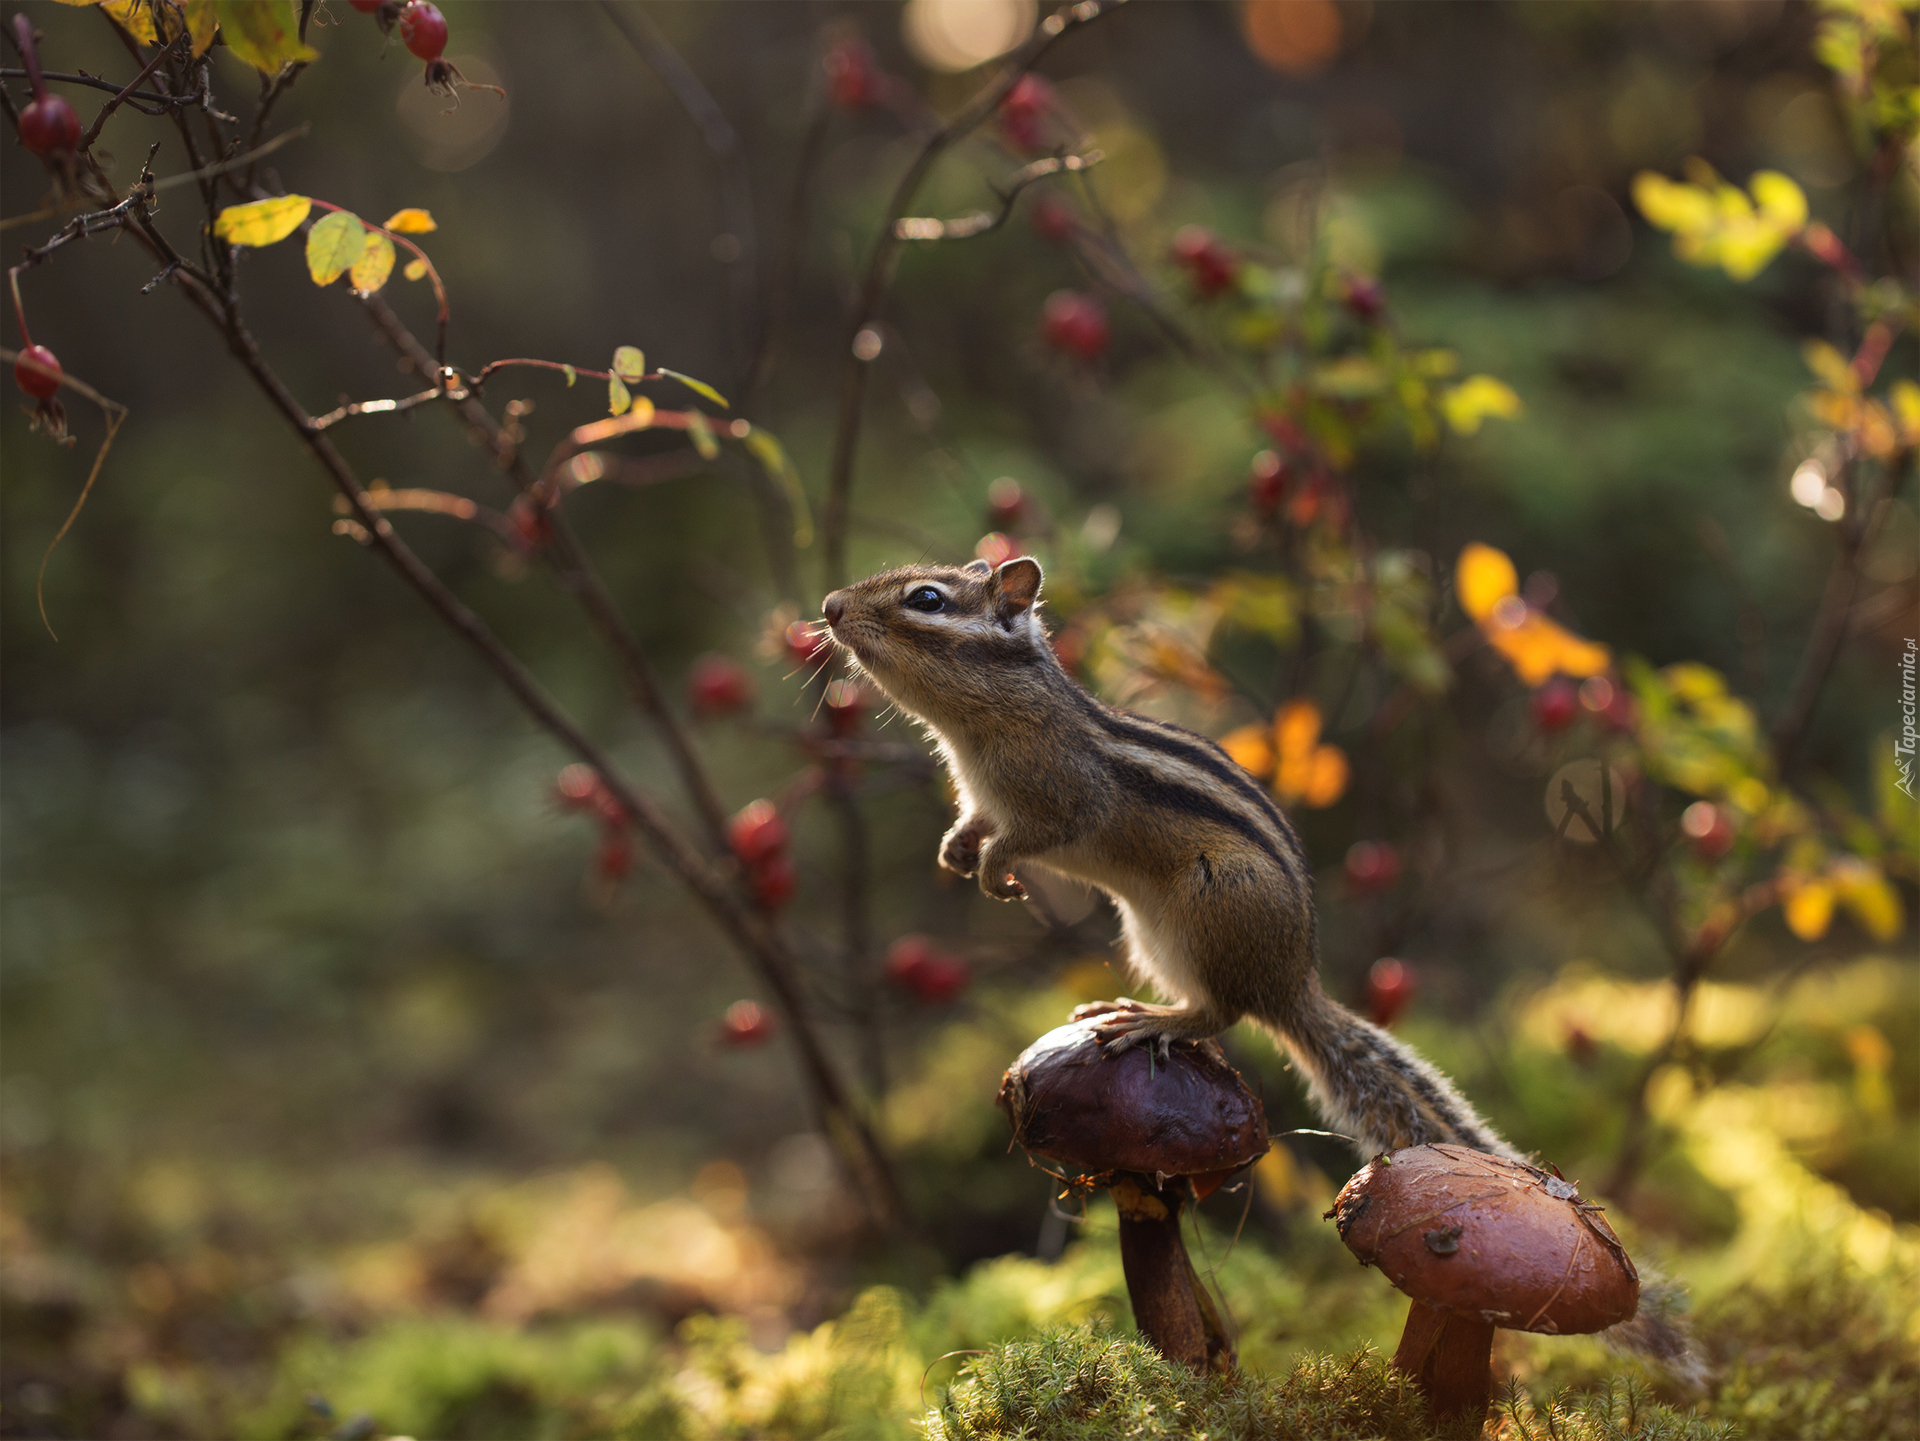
(698, 387)
(334, 246)
(618, 397)
(262, 222)
(264, 33)
(201, 23)
(375, 264)
(701, 434)
(766, 448)
(630, 364)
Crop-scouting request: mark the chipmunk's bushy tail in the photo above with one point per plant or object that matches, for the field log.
(1383, 1096)
(1375, 1090)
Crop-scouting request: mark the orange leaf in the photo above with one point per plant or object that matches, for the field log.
(1250, 747)
(1482, 578)
(1326, 778)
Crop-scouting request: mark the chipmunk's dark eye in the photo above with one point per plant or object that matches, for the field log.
(926, 598)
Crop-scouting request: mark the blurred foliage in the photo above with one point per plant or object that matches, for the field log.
(351, 1085)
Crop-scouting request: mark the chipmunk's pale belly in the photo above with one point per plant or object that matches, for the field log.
(1154, 948)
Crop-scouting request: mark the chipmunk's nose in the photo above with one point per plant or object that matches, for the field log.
(834, 606)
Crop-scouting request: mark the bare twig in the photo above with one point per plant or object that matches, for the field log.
(878, 277)
(147, 102)
(120, 97)
(736, 185)
(984, 222)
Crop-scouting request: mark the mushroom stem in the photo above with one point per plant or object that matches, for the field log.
(1171, 1308)
(1450, 1357)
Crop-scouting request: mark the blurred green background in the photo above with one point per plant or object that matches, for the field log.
(320, 1031)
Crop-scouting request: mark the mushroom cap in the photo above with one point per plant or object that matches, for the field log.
(1187, 1115)
(1479, 1235)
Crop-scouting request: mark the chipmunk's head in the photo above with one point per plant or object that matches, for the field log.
(944, 640)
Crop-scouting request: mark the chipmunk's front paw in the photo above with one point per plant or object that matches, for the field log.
(1132, 1023)
(960, 851)
(1004, 887)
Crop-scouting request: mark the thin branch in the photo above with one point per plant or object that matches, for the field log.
(985, 222)
(886, 249)
(147, 102)
(736, 184)
(1830, 626)
(120, 97)
(376, 407)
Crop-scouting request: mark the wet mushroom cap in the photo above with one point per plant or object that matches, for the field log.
(1187, 1115)
(1481, 1236)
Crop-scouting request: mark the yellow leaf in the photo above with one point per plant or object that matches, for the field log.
(1482, 578)
(1539, 649)
(1830, 365)
(201, 23)
(1251, 747)
(135, 18)
(262, 222)
(1781, 202)
(1865, 891)
(1326, 778)
(1474, 399)
(264, 33)
(1809, 909)
(417, 270)
(1671, 204)
(641, 411)
(618, 397)
(375, 264)
(1905, 398)
(411, 221)
(630, 364)
(1296, 727)
(334, 246)
(1695, 682)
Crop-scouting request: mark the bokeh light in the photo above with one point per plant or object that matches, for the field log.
(956, 35)
(1295, 37)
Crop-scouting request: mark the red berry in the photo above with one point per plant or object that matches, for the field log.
(745, 1024)
(528, 526)
(1556, 705)
(423, 29)
(1363, 297)
(1022, 112)
(757, 833)
(1389, 987)
(1267, 482)
(853, 79)
(806, 644)
(1006, 503)
(718, 685)
(36, 383)
(905, 957)
(577, 788)
(49, 127)
(1372, 866)
(1052, 219)
(915, 964)
(773, 880)
(1076, 324)
(846, 705)
(1214, 268)
(1709, 828)
(615, 856)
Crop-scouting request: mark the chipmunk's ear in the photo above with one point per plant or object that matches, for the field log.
(977, 567)
(1016, 586)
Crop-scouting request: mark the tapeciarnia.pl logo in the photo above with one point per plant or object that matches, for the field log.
(1903, 749)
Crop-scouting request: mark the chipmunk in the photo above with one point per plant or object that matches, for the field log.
(1214, 893)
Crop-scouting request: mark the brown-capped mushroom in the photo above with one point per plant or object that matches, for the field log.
(1481, 1242)
(1154, 1131)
